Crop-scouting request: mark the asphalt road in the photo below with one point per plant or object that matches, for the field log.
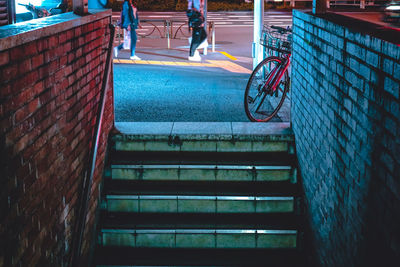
(174, 93)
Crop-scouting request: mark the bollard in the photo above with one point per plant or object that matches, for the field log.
(167, 32)
(213, 36)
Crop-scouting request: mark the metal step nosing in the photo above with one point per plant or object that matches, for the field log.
(204, 167)
(166, 197)
(199, 231)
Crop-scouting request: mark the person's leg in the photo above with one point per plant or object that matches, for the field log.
(203, 35)
(203, 39)
(122, 45)
(196, 40)
(133, 41)
(117, 48)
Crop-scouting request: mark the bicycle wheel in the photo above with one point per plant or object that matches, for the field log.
(260, 101)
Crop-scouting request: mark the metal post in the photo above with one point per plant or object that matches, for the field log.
(205, 22)
(213, 36)
(168, 35)
(257, 52)
(11, 12)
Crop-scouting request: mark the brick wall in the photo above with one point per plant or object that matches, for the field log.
(346, 120)
(49, 96)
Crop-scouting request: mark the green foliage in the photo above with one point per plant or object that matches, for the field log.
(181, 5)
(115, 5)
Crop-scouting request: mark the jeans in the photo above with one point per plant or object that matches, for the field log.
(198, 36)
(133, 41)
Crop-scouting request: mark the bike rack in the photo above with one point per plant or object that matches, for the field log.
(166, 30)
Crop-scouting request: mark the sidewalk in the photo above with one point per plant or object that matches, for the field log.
(178, 57)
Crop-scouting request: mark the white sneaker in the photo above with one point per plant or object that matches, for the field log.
(204, 44)
(116, 51)
(195, 57)
(135, 57)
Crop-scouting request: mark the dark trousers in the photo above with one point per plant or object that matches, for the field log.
(198, 36)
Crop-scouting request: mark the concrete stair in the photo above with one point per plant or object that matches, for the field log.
(200, 199)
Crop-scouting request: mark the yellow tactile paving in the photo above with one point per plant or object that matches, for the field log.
(227, 55)
(224, 64)
(128, 61)
(230, 66)
(200, 65)
(140, 61)
(168, 63)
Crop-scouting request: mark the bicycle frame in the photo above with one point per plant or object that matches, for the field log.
(276, 77)
(281, 71)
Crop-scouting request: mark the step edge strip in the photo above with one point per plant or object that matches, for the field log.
(187, 197)
(199, 231)
(208, 167)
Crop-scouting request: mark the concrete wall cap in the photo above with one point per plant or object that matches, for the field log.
(20, 33)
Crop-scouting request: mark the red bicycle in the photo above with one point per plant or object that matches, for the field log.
(269, 83)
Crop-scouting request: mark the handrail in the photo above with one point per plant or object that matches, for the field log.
(87, 183)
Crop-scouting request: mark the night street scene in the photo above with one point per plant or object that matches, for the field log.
(200, 133)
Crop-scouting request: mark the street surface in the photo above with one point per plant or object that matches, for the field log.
(178, 93)
(157, 89)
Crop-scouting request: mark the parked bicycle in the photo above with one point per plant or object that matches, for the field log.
(269, 83)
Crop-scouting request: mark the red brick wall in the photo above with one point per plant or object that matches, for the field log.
(49, 96)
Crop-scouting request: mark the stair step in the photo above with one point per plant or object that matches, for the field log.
(201, 158)
(201, 204)
(204, 172)
(281, 141)
(199, 238)
(223, 188)
(127, 256)
(126, 220)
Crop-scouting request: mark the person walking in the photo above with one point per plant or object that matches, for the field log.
(129, 22)
(199, 35)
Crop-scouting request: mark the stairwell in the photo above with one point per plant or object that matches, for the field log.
(193, 198)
